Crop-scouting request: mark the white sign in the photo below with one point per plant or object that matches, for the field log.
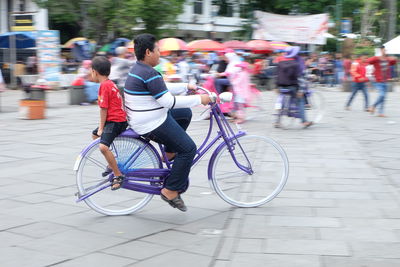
(308, 29)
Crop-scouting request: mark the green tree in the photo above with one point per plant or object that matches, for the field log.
(104, 20)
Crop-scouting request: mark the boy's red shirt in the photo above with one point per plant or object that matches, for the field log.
(110, 98)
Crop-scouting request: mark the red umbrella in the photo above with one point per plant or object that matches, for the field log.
(235, 44)
(205, 45)
(277, 45)
(259, 46)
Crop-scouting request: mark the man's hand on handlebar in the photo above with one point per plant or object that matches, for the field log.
(205, 99)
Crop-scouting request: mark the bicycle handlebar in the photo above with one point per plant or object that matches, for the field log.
(212, 95)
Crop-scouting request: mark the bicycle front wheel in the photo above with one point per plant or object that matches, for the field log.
(89, 177)
(254, 175)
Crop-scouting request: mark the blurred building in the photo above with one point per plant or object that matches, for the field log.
(201, 19)
(22, 15)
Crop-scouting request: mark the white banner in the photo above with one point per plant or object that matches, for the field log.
(308, 29)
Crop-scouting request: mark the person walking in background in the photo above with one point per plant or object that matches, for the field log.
(2, 84)
(329, 72)
(290, 68)
(382, 73)
(347, 61)
(120, 66)
(221, 81)
(238, 73)
(358, 72)
(339, 70)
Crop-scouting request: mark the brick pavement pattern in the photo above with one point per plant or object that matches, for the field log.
(341, 206)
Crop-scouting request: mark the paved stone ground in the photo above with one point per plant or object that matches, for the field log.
(341, 206)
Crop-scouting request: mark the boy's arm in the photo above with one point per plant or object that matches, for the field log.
(103, 117)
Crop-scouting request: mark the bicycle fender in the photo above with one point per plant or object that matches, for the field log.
(217, 150)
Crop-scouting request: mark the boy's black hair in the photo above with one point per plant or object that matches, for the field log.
(102, 65)
(142, 43)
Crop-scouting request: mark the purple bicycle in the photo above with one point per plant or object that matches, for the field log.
(244, 170)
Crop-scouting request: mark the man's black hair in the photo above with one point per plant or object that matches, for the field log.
(142, 43)
(102, 65)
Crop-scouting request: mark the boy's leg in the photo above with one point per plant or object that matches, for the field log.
(110, 132)
(110, 159)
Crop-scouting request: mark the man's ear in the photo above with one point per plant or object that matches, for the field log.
(147, 52)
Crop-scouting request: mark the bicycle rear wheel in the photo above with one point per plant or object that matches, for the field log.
(268, 165)
(315, 110)
(93, 164)
(286, 119)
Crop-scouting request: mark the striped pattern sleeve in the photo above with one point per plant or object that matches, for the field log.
(145, 81)
(156, 85)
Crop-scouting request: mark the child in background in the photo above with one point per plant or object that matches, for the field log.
(112, 116)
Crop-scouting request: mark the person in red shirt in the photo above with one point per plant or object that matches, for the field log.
(382, 74)
(358, 73)
(112, 116)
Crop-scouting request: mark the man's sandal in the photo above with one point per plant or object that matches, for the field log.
(176, 202)
(117, 181)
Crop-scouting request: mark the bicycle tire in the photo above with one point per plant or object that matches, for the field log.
(89, 173)
(249, 190)
(316, 111)
(286, 121)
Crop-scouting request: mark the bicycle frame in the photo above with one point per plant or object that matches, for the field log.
(133, 177)
(289, 102)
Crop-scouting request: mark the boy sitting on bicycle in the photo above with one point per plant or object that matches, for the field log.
(155, 113)
(112, 116)
(288, 72)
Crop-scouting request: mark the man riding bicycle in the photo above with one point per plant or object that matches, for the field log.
(289, 70)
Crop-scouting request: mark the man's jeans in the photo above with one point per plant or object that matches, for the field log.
(355, 88)
(172, 133)
(382, 89)
(221, 84)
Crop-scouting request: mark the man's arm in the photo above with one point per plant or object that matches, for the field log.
(372, 60)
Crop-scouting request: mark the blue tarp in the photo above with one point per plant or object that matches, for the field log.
(118, 42)
(22, 39)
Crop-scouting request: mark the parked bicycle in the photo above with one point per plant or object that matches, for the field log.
(244, 170)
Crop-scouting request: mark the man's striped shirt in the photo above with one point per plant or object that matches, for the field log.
(147, 99)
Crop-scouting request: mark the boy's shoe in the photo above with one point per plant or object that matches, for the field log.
(117, 182)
